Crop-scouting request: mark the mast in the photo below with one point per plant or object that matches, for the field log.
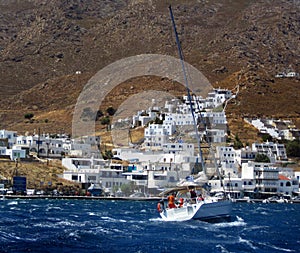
(184, 70)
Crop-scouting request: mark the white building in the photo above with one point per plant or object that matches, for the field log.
(144, 117)
(231, 186)
(228, 161)
(16, 153)
(9, 135)
(179, 119)
(271, 149)
(97, 171)
(43, 145)
(245, 155)
(78, 149)
(155, 135)
(288, 186)
(260, 178)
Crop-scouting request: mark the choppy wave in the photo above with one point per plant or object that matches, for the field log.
(117, 226)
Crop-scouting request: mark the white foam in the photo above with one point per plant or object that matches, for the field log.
(247, 242)
(156, 219)
(12, 203)
(277, 248)
(223, 250)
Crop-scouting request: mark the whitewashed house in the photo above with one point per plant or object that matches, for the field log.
(11, 136)
(178, 119)
(16, 153)
(287, 185)
(228, 161)
(96, 171)
(260, 178)
(155, 135)
(245, 155)
(43, 145)
(271, 149)
(144, 117)
(78, 149)
(231, 186)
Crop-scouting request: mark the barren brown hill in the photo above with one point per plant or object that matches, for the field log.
(43, 44)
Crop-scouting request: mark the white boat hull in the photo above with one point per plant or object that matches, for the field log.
(203, 210)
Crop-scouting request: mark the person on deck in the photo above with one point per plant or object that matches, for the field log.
(200, 198)
(171, 201)
(181, 202)
(193, 195)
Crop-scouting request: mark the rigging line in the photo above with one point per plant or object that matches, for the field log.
(187, 87)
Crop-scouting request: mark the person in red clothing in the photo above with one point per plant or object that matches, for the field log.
(181, 202)
(171, 201)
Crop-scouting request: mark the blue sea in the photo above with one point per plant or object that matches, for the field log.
(51, 225)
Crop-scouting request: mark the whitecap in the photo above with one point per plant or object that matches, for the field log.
(277, 248)
(53, 208)
(231, 224)
(223, 250)
(12, 203)
(239, 218)
(156, 219)
(247, 242)
(113, 219)
(107, 218)
(74, 235)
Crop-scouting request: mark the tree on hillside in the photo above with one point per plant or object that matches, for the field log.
(237, 143)
(266, 137)
(105, 121)
(28, 115)
(261, 158)
(99, 114)
(111, 111)
(293, 148)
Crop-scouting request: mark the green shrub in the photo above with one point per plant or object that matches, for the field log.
(29, 115)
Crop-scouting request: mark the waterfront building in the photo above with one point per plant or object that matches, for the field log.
(260, 179)
(231, 186)
(94, 171)
(287, 186)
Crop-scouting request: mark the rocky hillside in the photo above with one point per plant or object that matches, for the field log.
(43, 43)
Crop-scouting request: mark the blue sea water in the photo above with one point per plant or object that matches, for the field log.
(134, 226)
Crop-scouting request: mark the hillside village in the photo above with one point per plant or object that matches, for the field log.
(169, 153)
